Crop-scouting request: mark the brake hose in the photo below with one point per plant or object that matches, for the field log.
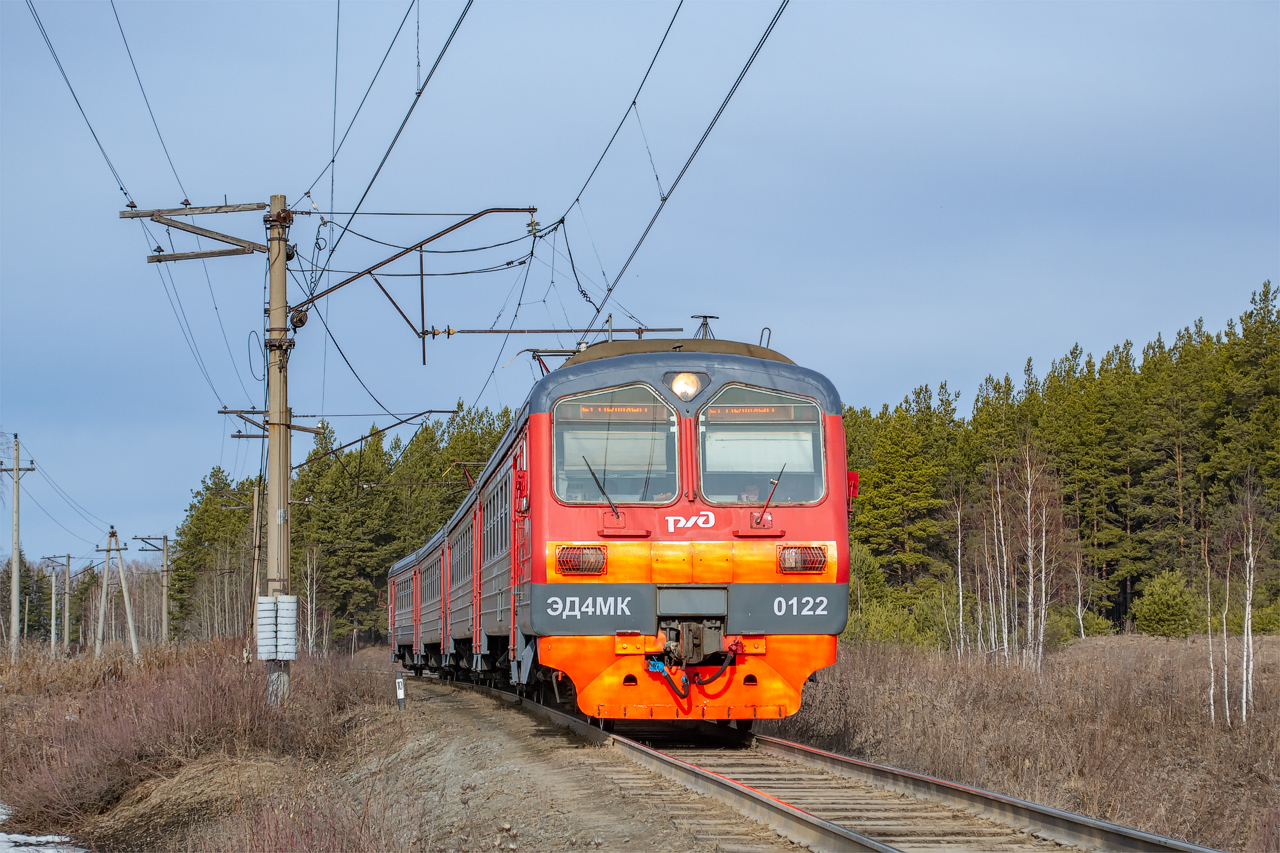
(661, 668)
(728, 662)
(676, 690)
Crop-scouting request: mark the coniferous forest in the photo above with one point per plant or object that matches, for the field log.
(1132, 490)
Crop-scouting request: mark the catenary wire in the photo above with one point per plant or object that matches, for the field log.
(338, 347)
(734, 88)
(369, 89)
(623, 121)
(429, 251)
(506, 265)
(515, 314)
(416, 98)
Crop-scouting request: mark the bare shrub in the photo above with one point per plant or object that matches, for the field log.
(1114, 727)
(77, 735)
(325, 816)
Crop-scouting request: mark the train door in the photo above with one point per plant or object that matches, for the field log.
(417, 613)
(521, 560)
(446, 582)
(391, 613)
(477, 574)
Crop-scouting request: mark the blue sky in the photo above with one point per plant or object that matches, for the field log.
(903, 192)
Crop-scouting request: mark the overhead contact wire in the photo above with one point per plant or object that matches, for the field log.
(416, 98)
(747, 67)
(369, 89)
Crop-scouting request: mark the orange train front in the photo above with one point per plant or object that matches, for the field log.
(662, 534)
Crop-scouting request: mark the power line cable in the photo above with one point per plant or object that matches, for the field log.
(155, 124)
(120, 183)
(71, 502)
(182, 326)
(31, 498)
(75, 507)
(49, 44)
(781, 8)
(417, 97)
(147, 100)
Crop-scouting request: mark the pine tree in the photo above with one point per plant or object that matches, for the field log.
(1166, 606)
(897, 499)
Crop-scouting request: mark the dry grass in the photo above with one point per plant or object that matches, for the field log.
(1114, 727)
(77, 736)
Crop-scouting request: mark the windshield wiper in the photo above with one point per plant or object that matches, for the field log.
(771, 491)
(612, 506)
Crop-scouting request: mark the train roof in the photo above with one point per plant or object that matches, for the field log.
(613, 363)
(612, 349)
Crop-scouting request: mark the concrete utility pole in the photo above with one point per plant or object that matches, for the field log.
(164, 591)
(278, 445)
(66, 609)
(14, 594)
(53, 605)
(148, 544)
(113, 543)
(53, 612)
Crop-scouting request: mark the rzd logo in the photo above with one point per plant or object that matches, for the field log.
(703, 519)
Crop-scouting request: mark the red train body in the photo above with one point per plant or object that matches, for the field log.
(662, 534)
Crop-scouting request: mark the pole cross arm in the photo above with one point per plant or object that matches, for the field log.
(205, 232)
(147, 544)
(193, 211)
(195, 256)
(306, 303)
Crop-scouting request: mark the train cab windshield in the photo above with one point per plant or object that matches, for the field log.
(747, 435)
(622, 442)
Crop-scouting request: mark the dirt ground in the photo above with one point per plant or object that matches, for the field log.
(475, 766)
(457, 771)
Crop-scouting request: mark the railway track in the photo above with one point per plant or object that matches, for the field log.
(828, 802)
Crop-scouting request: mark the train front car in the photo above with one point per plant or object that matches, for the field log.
(687, 531)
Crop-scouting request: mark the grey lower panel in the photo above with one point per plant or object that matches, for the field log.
(691, 601)
(581, 609)
(753, 608)
(788, 608)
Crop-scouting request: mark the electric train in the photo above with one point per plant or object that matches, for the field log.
(662, 534)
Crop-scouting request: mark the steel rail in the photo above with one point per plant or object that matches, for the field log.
(1038, 821)
(1064, 827)
(789, 821)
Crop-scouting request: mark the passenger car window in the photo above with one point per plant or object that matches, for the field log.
(746, 435)
(626, 436)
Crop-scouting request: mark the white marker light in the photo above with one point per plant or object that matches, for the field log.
(686, 385)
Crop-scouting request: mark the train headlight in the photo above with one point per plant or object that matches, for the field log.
(578, 560)
(686, 385)
(802, 558)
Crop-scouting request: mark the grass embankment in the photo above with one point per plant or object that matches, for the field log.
(1113, 727)
(118, 755)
